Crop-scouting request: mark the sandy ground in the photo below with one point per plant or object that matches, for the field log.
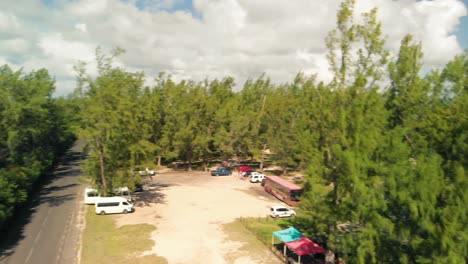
(189, 210)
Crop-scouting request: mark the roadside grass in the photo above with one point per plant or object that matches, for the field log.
(263, 227)
(253, 244)
(103, 242)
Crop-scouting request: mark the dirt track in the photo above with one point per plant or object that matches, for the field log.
(189, 210)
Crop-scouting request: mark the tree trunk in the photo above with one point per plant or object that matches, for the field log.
(189, 160)
(159, 160)
(101, 165)
(263, 157)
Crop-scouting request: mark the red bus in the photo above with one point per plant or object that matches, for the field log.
(282, 189)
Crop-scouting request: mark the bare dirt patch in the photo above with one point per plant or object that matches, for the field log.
(190, 211)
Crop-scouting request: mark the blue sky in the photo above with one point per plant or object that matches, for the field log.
(212, 38)
(462, 32)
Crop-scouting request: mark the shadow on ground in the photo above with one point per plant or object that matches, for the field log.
(152, 194)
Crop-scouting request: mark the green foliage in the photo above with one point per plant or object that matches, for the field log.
(34, 132)
(393, 161)
(113, 121)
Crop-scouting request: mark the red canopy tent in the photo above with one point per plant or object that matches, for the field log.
(244, 169)
(304, 246)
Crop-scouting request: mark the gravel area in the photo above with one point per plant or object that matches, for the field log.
(189, 210)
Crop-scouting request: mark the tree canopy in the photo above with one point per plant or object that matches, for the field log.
(383, 145)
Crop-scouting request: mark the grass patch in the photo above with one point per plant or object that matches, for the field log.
(250, 244)
(103, 242)
(263, 228)
(255, 236)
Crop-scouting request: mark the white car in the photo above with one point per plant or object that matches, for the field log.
(147, 171)
(281, 211)
(150, 172)
(256, 176)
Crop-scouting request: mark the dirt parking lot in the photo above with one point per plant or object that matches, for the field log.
(189, 210)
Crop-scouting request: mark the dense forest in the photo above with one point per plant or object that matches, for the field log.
(388, 141)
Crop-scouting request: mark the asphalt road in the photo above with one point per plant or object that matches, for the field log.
(47, 230)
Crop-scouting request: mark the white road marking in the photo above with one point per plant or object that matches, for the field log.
(29, 255)
(38, 236)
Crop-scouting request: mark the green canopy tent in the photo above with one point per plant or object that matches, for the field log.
(286, 235)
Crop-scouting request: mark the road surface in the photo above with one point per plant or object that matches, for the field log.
(48, 229)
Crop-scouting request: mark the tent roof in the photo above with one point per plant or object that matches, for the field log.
(304, 246)
(245, 169)
(287, 235)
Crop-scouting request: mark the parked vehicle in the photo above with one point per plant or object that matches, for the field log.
(146, 172)
(282, 189)
(281, 211)
(256, 176)
(139, 187)
(122, 192)
(113, 205)
(221, 172)
(91, 195)
(150, 172)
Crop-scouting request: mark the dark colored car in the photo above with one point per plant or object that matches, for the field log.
(221, 172)
(138, 187)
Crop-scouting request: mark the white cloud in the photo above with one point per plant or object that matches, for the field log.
(56, 46)
(8, 22)
(14, 45)
(240, 38)
(81, 27)
(431, 22)
(90, 8)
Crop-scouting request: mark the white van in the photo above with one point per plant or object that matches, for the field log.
(122, 192)
(113, 205)
(91, 195)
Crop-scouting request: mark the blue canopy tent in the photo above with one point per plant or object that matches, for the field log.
(286, 235)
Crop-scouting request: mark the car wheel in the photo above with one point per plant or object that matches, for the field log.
(275, 216)
(102, 213)
(125, 211)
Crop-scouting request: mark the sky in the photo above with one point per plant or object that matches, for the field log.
(207, 39)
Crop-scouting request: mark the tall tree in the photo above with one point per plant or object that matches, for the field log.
(351, 127)
(111, 117)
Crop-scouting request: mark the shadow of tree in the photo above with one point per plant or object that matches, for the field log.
(52, 189)
(151, 195)
(57, 200)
